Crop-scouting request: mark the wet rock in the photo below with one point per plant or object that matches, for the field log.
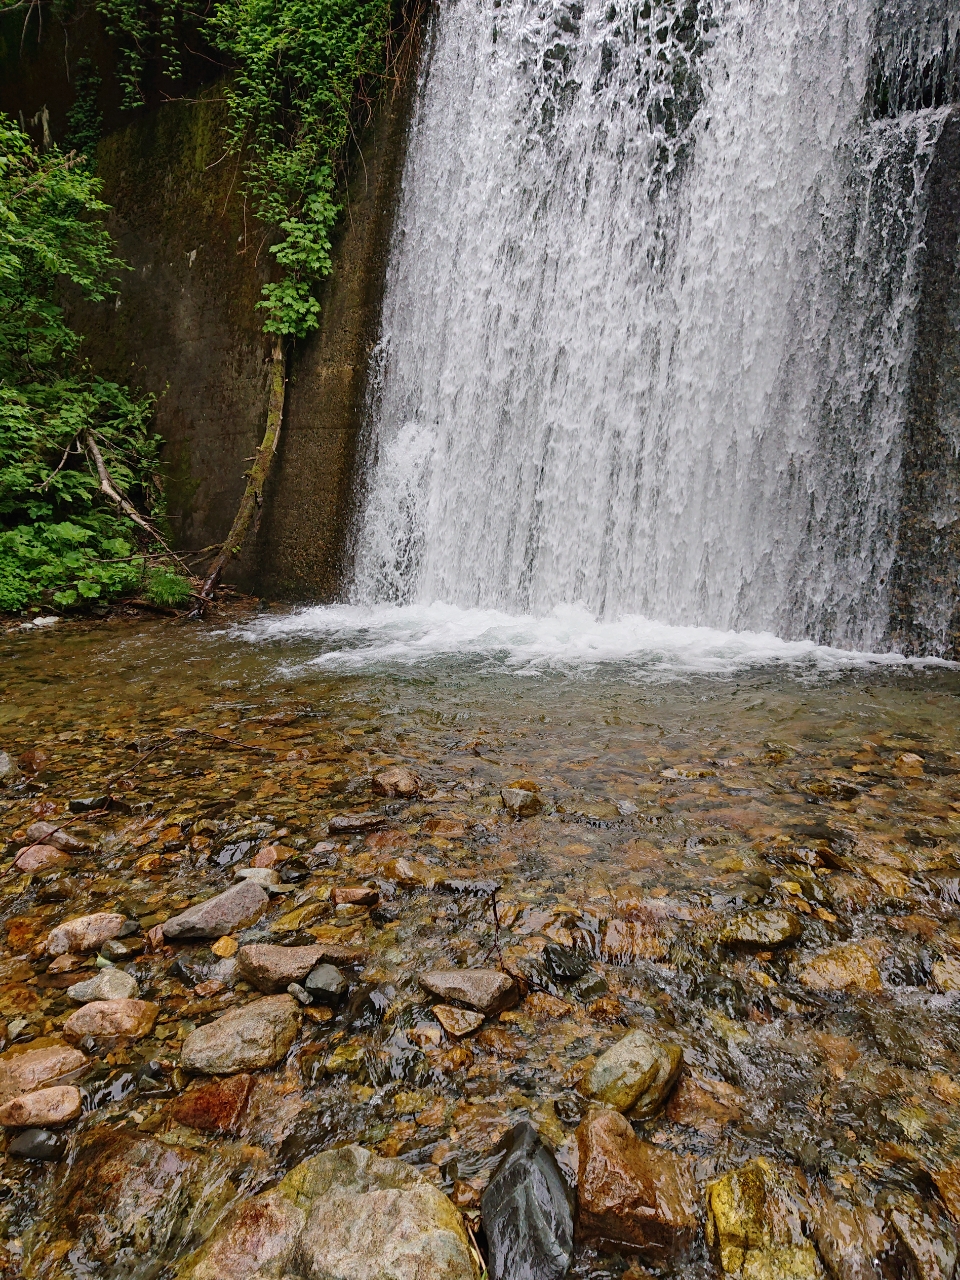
(265, 877)
(704, 1104)
(326, 984)
(396, 781)
(214, 1107)
(41, 857)
(359, 895)
(117, 949)
(8, 767)
(457, 1022)
(487, 990)
(38, 1144)
(235, 907)
(343, 1215)
(754, 1230)
(59, 837)
(256, 1035)
(631, 1192)
(564, 965)
(946, 974)
(761, 929)
(928, 1240)
(106, 1019)
(272, 968)
(848, 967)
(109, 984)
(635, 1075)
(47, 1108)
(354, 823)
(84, 933)
(23, 1072)
(947, 1181)
(522, 799)
(852, 1240)
(526, 1209)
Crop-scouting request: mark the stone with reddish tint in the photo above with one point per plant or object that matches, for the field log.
(271, 855)
(110, 1019)
(457, 1022)
(356, 895)
(41, 857)
(214, 1107)
(256, 1035)
(23, 1072)
(272, 968)
(84, 933)
(632, 1193)
(59, 837)
(47, 1108)
(398, 780)
(487, 990)
(218, 916)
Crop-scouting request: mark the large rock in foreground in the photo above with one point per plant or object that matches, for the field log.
(343, 1215)
(256, 1035)
(631, 1192)
(215, 917)
(526, 1210)
(635, 1075)
(754, 1230)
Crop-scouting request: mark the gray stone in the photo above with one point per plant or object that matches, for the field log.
(527, 1211)
(38, 1144)
(59, 837)
(635, 1075)
(344, 1215)
(486, 990)
(520, 802)
(238, 906)
(272, 968)
(8, 767)
(84, 933)
(326, 984)
(109, 984)
(761, 929)
(256, 1035)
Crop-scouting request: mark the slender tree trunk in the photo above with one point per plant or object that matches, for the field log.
(251, 503)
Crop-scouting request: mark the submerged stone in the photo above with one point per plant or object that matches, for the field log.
(457, 1022)
(754, 1230)
(215, 1107)
(527, 1211)
(396, 781)
(38, 1144)
(635, 1075)
(761, 929)
(564, 965)
(848, 967)
(109, 984)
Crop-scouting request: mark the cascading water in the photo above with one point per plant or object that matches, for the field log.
(647, 324)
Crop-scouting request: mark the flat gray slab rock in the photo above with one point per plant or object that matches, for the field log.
(109, 984)
(344, 1215)
(238, 906)
(271, 968)
(486, 990)
(256, 1035)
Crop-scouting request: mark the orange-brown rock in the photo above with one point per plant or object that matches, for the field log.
(457, 1022)
(704, 1104)
(271, 855)
(105, 1019)
(848, 967)
(42, 1109)
(357, 895)
(214, 1107)
(632, 1194)
(396, 781)
(41, 857)
(448, 828)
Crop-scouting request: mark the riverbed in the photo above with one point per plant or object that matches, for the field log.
(683, 786)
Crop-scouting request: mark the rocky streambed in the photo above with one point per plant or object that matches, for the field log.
(407, 974)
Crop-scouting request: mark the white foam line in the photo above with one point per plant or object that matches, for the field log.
(353, 637)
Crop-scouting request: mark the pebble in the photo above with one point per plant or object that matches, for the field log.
(635, 1075)
(326, 984)
(272, 968)
(354, 823)
(396, 781)
(47, 1108)
(84, 933)
(522, 799)
(487, 990)
(59, 837)
(761, 929)
(631, 1192)
(346, 1214)
(38, 1144)
(848, 967)
(41, 857)
(256, 1035)
(527, 1212)
(213, 918)
(106, 1019)
(356, 895)
(8, 767)
(27, 1071)
(299, 993)
(109, 984)
(457, 1022)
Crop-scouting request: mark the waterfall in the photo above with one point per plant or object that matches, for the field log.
(648, 316)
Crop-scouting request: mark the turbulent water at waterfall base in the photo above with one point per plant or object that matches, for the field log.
(609, 711)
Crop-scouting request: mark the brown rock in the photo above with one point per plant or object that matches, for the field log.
(848, 967)
(486, 990)
(256, 1035)
(23, 1072)
(358, 895)
(47, 1108)
(448, 828)
(271, 855)
(396, 781)
(457, 1022)
(704, 1104)
(632, 1193)
(851, 1238)
(105, 1019)
(84, 933)
(214, 1107)
(59, 837)
(545, 1007)
(272, 968)
(353, 823)
(40, 857)
(237, 906)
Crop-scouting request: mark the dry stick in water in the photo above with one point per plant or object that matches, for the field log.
(251, 503)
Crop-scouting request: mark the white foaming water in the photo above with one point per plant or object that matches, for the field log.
(568, 639)
(648, 319)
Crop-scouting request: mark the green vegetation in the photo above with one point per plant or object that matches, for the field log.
(63, 540)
